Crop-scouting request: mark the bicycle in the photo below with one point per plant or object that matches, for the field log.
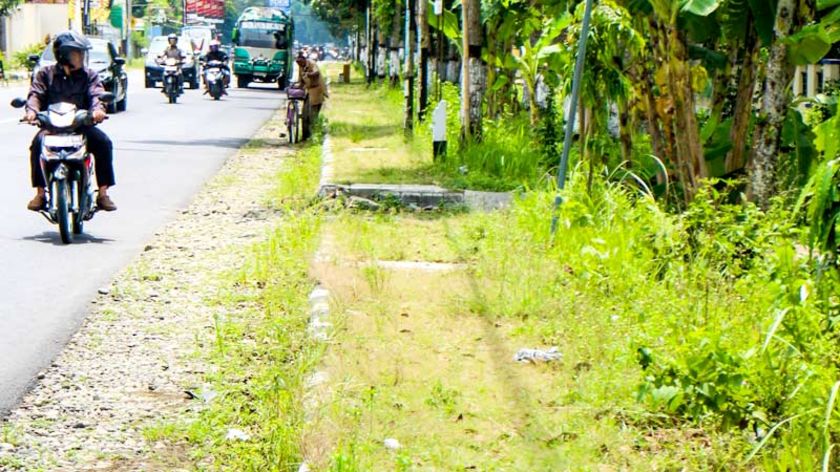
(294, 113)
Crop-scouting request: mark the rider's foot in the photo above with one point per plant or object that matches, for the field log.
(104, 203)
(37, 203)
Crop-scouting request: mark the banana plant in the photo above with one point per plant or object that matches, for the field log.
(543, 53)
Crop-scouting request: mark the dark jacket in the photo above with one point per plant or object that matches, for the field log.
(216, 56)
(51, 85)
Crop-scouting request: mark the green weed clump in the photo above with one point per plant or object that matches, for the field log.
(712, 319)
(259, 350)
(508, 156)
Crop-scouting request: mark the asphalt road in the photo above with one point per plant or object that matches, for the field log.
(163, 155)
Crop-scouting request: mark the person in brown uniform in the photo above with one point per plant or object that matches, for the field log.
(313, 81)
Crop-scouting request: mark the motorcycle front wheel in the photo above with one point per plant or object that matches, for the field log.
(62, 206)
(78, 219)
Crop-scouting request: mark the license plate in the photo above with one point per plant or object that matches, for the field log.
(62, 141)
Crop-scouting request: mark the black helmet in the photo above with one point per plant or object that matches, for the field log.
(66, 42)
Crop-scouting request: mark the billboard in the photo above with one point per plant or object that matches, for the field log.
(210, 11)
(283, 5)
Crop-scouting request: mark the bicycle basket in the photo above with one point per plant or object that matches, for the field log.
(294, 93)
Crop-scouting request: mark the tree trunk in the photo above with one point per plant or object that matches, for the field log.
(394, 46)
(689, 151)
(370, 47)
(533, 110)
(409, 66)
(424, 44)
(381, 54)
(656, 139)
(774, 103)
(473, 81)
(625, 133)
(742, 111)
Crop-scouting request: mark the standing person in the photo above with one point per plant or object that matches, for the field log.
(69, 80)
(313, 82)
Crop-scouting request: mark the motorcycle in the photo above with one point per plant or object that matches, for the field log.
(214, 79)
(172, 79)
(67, 166)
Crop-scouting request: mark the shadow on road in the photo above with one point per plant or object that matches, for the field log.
(52, 237)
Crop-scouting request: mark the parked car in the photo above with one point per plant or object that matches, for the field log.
(154, 71)
(104, 59)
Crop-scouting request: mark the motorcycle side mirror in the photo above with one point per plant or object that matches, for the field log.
(120, 61)
(107, 97)
(34, 58)
(19, 102)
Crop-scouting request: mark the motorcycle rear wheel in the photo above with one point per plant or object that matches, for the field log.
(62, 206)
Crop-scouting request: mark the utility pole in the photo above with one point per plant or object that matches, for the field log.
(86, 17)
(570, 122)
(465, 71)
(128, 30)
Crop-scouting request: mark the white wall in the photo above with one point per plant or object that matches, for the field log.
(30, 22)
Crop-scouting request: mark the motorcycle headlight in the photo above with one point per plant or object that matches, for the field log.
(55, 153)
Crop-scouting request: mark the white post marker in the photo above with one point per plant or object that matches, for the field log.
(439, 130)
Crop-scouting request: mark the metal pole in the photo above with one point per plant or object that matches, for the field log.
(570, 122)
(128, 19)
(86, 17)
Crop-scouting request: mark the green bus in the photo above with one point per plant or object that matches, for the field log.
(263, 39)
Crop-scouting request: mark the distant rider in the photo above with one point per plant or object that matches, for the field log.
(216, 54)
(70, 81)
(173, 52)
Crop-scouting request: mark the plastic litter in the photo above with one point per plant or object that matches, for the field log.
(234, 434)
(538, 355)
(392, 444)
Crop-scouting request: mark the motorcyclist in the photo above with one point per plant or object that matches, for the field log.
(69, 80)
(173, 52)
(216, 54)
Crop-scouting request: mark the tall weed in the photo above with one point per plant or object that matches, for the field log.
(708, 318)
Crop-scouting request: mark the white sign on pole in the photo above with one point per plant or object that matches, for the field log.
(438, 7)
(439, 122)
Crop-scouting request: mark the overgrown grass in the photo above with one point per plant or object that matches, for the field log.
(697, 341)
(370, 145)
(706, 320)
(259, 349)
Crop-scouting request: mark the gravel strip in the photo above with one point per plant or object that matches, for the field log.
(134, 358)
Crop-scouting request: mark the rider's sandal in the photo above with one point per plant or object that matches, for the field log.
(37, 203)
